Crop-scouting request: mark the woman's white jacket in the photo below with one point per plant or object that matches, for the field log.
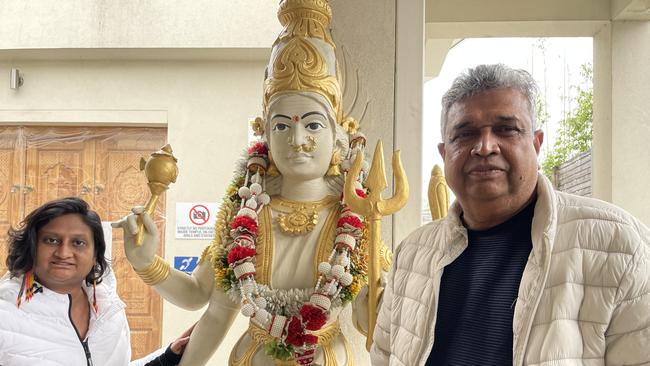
(40, 332)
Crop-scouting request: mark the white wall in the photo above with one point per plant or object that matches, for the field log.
(133, 24)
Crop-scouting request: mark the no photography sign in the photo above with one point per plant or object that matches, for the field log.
(199, 215)
(195, 220)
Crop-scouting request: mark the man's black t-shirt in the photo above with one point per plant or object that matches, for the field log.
(477, 296)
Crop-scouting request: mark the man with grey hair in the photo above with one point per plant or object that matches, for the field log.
(516, 273)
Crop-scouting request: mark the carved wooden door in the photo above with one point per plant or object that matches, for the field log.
(11, 182)
(119, 185)
(59, 162)
(99, 165)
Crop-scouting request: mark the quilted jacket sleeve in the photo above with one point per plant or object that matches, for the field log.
(628, 334)
(380, 351)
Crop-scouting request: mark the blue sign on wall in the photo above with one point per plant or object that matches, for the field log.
(186, 264)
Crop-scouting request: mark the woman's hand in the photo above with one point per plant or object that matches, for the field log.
(142, 256)
(178, 346)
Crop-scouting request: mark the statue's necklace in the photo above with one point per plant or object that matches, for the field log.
(298, 218)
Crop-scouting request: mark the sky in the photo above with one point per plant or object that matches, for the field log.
(554, 63)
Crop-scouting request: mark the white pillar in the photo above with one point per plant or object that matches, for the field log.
(364, 30)
(601, 175)
(388, 52)
(631, 117)
(409, 80)
(621, 116)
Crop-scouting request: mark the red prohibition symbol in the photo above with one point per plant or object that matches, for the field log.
(199, 215)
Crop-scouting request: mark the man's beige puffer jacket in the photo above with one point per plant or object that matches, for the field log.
(584, 296)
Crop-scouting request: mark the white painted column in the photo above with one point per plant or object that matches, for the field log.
(601, 175)
(409, 80)
(385, 43)
(365, 31)
(631, 117)
(621, 116)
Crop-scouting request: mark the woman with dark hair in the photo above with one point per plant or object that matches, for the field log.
(58, 300)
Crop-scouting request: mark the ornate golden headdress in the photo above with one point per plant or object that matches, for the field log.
(303, 58)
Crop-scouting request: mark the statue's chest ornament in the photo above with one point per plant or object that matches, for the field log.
(299, 218)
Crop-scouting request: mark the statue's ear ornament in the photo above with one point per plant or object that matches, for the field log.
(335, 164)
(257, 125)
(350, 125)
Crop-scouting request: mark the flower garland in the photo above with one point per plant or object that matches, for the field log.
(289, 316)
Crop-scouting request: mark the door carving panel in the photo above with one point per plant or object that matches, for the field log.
(121, 186)
(11, 183)
(59, 163)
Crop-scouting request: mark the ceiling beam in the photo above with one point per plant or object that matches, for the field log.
(516, 10)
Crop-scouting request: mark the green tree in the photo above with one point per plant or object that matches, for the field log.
(575, 132)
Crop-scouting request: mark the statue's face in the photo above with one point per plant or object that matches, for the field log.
(301, 136)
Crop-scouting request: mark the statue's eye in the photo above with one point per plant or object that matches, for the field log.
(314, 126)
(281, 127)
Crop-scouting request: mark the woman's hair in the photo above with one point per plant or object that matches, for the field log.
(23, 241)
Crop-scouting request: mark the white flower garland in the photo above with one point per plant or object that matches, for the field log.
(305, 309)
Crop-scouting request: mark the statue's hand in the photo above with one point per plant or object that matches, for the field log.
(142, 256)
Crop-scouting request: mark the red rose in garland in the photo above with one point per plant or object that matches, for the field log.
(246, 223)
(350, 220)
(310, 339)
(313, 317)
(295, 333)
(258, 149)
(238, 253)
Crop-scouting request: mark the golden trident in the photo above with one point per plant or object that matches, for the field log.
(373, 208)
(161, 170)
(438, 194)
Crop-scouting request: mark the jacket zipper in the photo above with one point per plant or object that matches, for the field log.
(84, 344)
(522, 350)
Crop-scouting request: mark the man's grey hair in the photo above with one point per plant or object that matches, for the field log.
(486, 77)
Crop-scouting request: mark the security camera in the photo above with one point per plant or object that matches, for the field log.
(16, 79)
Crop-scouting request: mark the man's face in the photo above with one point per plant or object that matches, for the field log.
(490, 151)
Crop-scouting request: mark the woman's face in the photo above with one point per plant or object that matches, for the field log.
(301, 137)
(65, 253)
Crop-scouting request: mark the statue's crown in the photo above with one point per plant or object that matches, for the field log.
(303, 57)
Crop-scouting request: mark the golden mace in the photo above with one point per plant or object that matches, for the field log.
(373, 208)
(160, 170)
